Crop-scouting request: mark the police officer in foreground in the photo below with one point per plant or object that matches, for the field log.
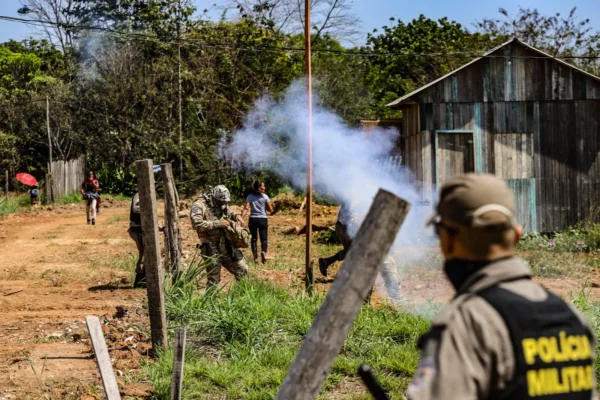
(503, 336)
(211, 218)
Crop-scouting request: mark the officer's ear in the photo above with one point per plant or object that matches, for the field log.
(518, 229)
(447, 242)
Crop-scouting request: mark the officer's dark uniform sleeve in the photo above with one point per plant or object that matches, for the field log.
(467, 349)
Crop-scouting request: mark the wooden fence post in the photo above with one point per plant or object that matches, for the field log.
(178, 364)
(152, 261)
(336, 315)
(174, 245)
(6, 188)
(111, 389)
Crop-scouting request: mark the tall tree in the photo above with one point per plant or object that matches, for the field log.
(57, 18)
(163, 17)
(416, 53)
(331, 17)
(559, 36)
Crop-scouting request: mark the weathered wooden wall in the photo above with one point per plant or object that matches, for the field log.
(535, 122)
(67, 177)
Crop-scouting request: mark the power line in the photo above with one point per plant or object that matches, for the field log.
(202, 43)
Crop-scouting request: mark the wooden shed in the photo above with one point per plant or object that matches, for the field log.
(520, 114)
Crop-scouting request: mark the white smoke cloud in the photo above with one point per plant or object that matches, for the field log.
(346, 164)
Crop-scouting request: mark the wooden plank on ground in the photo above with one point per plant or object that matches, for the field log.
(109, 381)
(336, 315)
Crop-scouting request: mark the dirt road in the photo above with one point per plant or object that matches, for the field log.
(55, 270)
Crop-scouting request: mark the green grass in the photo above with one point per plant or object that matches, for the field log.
(117, 197)
(582, 301)
(13, 204)
(584, 237)
(74, 197)
(241, 341)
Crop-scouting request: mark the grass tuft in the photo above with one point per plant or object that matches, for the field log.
(13, 204)
(72, 198)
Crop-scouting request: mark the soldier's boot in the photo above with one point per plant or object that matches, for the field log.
(324, 263)
(140, 280)
(93, 221)
(89, 221)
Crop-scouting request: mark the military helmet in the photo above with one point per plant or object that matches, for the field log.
(221, 194)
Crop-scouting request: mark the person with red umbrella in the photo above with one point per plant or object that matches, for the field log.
(28, 180)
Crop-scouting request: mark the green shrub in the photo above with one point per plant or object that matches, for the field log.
(13, 204)
(72, 198)
(576, 240)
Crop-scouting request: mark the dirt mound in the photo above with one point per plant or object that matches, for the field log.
(286, 202)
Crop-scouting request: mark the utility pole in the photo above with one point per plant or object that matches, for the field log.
(307, 60)
(50, 181)
(48, 127)
(179, 93)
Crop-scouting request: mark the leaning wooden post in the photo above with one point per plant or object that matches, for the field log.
(178, 364)
(152, 261)
(109, 381)
(171, 221)
(343, 302)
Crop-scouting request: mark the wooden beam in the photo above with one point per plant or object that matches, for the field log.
(345, 298)
(173, 233)
(178, 364)
(152, 260)
(109, 381)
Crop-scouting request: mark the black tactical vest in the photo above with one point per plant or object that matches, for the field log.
(552, 348)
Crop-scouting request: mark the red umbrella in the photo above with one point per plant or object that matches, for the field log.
(26, 179)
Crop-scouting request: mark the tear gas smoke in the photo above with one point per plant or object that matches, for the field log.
(347, 165)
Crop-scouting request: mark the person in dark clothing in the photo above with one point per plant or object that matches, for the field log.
(135, 233)
(342, 224)
(34, 194)
(258, 203)
(89, 191)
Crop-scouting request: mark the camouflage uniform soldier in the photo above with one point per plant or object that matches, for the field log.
(210, 217)
(503, 336)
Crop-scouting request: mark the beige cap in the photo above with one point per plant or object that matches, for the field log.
(476, 200)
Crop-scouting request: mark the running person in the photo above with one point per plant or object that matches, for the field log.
(89, 191)
(258, 203)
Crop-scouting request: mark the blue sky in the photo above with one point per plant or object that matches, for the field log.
(376, 13)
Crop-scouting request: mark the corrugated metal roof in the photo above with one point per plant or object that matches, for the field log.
(411, 94)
